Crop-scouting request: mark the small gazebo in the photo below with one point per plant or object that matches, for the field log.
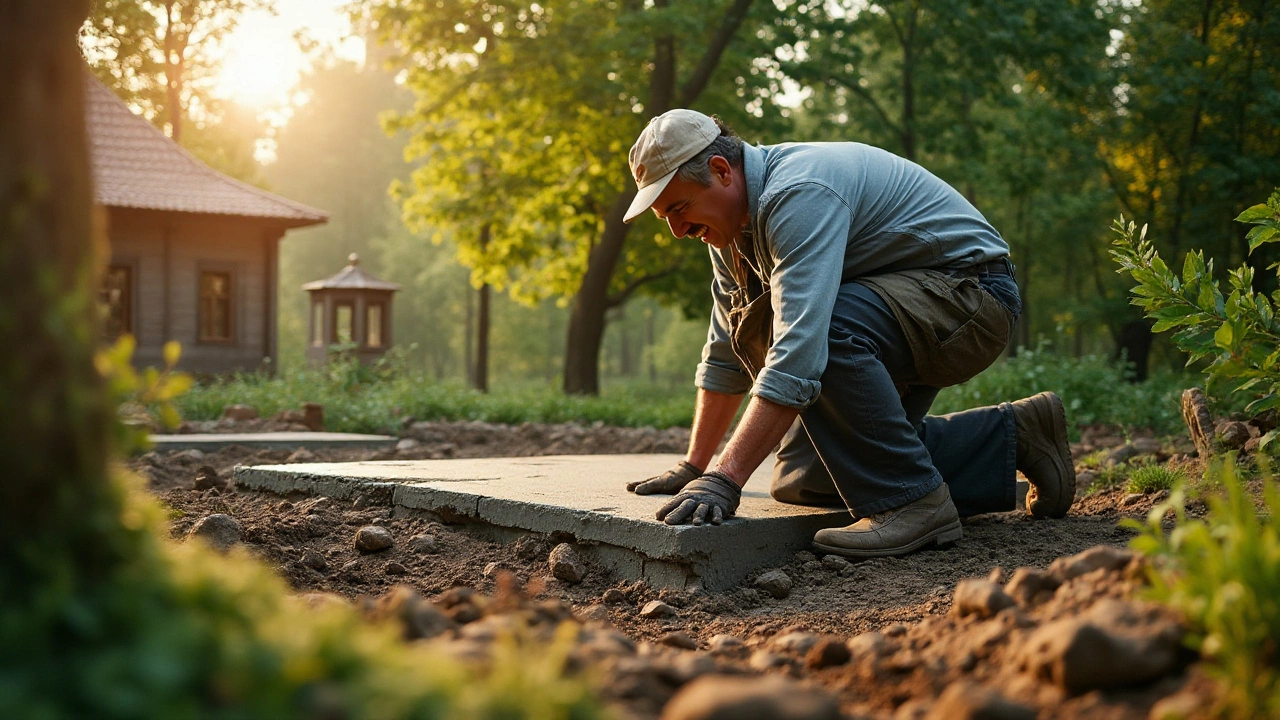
(351, 310)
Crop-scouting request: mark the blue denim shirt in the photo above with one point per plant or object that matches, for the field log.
(822, 214)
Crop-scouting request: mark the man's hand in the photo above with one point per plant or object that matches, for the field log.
(669, 482)
(711, 498)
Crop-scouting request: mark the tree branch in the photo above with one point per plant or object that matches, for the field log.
(623, 295)
(697, 82)
(870, 100)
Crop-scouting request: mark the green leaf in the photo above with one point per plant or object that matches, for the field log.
(1225, 336)
(1261, 235)
(1255, 213)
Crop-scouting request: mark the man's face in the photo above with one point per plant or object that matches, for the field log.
(715, 215)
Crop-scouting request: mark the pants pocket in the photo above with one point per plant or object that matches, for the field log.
(968, 333)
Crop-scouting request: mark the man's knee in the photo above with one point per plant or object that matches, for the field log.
(795, 489)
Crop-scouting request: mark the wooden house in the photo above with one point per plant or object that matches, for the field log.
(194, 253)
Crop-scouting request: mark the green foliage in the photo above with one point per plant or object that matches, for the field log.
(1223, 573)
(141, 398)
(1154, 478)
(1237, 334)
(1093, 389)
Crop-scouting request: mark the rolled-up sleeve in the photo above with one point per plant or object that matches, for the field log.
(720, 370)
(807, 230)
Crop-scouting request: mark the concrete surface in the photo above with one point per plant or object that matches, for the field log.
(282, 440)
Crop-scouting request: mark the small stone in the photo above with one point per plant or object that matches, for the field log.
(1098, 556)
(596, 613)
(1252, 445)
(240, 412)
(220, 531)
(1120, 455)
(395, 568)
(207, 478)
(835, 563)
(828, 652)
(614, 596)
(566, 565)
(1146, 446)
(657, 609)
(797, 642)
(724, 644)
(1231, 435)
(423, 544)
(1084, 480)
(774, 582)
(314, 560)
(406, 444)
(492, 569)
(685, 667)
(372, 538)
(679, 639)
(301, 455)
(1027, 583)
(762, 660)
(418, 618)
(721, 697)
(868, 644)
(981, 598)
(1131, 499)
(966, 700)
(191, 455)
(895, 630)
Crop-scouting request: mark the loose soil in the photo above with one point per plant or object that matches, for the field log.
(310, 542)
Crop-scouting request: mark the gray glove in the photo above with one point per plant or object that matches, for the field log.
(711, 498)
(669, 482)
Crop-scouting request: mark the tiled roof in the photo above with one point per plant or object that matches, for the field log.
(136, 166)
(351, 278)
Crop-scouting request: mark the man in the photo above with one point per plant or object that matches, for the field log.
(849, 286)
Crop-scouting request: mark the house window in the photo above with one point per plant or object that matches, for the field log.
(343, 314)
(374, 325)
(215, 306)
(317, 324)
(117, 300)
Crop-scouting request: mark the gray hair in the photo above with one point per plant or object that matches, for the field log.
(727, 145)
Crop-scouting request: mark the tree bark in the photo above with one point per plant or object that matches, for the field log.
(56, 504)
(480, 374)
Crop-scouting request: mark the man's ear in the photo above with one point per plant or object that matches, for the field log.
(721, 170)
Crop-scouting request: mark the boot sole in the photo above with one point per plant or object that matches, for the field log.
(1064, 450)
(944, 535)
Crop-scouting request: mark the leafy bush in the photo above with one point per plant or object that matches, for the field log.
(1237, 334)
(1223, 573)
(1154, 478)
(1093, 389)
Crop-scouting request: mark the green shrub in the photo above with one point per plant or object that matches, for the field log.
(1110, 478)
(1154, 478)
(1222, 573)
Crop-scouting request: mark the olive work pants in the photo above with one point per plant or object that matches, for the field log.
(868, 442)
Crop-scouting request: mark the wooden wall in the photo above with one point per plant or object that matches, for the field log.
(167, 252)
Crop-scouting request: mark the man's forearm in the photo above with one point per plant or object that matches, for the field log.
(712, 416)
(761, 429)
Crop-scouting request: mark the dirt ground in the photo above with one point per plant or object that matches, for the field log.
(901, 608)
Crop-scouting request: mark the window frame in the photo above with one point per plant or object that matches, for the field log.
(232, 306)
(131, 299)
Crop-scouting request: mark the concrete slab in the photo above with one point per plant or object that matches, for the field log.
(273, 440)
(580, 495)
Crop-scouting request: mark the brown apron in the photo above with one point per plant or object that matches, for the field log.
(750, 316)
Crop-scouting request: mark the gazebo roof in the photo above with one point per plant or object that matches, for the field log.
(137, 166)
(351, 278)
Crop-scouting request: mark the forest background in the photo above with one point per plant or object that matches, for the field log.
(478, 155)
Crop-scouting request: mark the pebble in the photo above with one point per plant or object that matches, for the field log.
(724, 643)
(1115, 644)
(314, 560)
(828, 652)
(775, 582)
(1027, 583)
(372, 538)
(614, 596)
(596, 613)
(720, 697)
(980, 598)
(566, 565)
(492, 569)
(1146, 446)
(424, 544)
(1131, 499)
(419, 619)
(395, 568)
(657, 609)
(407, 444)
(966, 700)
(1231, 434)
(1096, 557)
(1120, 455)
(868, 644)
(762, 660)
(679, 639)
(219, 530)
(240, 412)
(797, 642)
(301, 455)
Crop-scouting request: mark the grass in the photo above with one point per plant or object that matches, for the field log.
(1154, 478)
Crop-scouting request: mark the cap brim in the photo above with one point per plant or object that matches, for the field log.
(647, 196)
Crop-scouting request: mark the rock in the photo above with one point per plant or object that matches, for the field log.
(895, 630)
(966, 700)
(301, 455)
(220, 531)
(868, 644)
(314, 560)
(240, 412)
(828, 652)
(492, 570)
(797, 642)
(720, 697)
(614, 596)
(596, 613)
(566, 565)
(721, 644)
(418, 618)
(1195, 413)
(679, 639)
(657, 609)
(1251, 446)
(192, 455)
(395, 568)
(1084, 479)
(406, 444)
(422, 544)
(762, 660)
(981, 598)
(207, 478)
(1131, 499)
(1120, 455)
(1027, 583)
(1231, 435)
(685, 667)
(1098, 556)
(372, 538)
(774, 582)
(313, 416)
(1146, 446)
(835, 563)
(1115, 644)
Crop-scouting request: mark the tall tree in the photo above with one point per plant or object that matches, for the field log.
(525, 113)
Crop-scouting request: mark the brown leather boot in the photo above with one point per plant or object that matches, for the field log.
(930, 520)
(1043, 455)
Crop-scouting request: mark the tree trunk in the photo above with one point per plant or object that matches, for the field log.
(1133, 343)
(173, 62)
(57, 508)
(587, 316)
(480, 373)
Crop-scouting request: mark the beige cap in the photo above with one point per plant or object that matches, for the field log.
(668, 141)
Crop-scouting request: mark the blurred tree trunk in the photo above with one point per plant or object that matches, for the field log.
(480, 372)
(57, 508)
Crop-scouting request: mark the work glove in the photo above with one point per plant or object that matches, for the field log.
(669, 482)
(711, 498)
